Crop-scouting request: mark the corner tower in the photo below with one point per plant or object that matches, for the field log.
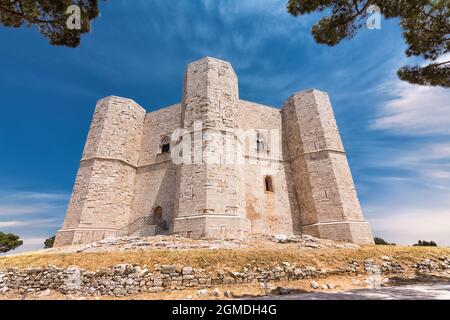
(102, 196)
(211, 200)
(329, 206)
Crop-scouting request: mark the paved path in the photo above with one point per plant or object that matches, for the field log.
(438, 291)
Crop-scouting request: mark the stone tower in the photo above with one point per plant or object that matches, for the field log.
(130, 184)
(210, 189)
(104, 188)
(325, 190)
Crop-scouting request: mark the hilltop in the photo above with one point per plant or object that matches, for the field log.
(167, 267)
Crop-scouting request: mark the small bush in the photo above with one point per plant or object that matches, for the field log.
(382, 242)
(49, 242)
(423, 243)
(9, 241)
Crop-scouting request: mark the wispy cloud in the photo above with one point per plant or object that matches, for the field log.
(411, 186)
(410, 167)
(28, 203)
(29, 244)
(414, 110)
(27, 195)
(428, 162)
(408, 225)
(33, 216)
(23, 209)
(54, 222)
(230, 10)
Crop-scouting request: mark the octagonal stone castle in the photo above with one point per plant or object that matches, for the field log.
(252, 169)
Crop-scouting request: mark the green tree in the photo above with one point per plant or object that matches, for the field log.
(381, 241)
(425, 24)
(9, 241)
(54, 19)
(48, 243)
(423, 243)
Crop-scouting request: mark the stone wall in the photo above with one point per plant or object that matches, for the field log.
(268, 212)
(328, 202)
(155, 184)
(101, 201)
(124, 176)
(125, 279)
(211, 189)
(158, 124)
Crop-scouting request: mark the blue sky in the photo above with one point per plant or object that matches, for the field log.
(396, 135)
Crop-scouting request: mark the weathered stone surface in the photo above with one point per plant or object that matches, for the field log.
(126, 279)
(203, 293)
(187, 271)
(256, 169)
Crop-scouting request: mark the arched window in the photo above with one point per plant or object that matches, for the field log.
(261, 144)
(268, 184)
(165, 145)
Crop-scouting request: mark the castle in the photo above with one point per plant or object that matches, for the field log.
(214, 166)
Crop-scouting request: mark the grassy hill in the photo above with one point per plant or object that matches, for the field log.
(342, 266)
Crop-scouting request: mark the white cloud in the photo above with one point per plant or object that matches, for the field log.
(435, 151)
(232, 8)
(415, 110)
(26, 223)
(33, 216)
(431, 162)
(415, 205)
(408, 225)
(26, 195)
(20, 209)
(25, 203)
(29, 244)
(33, 241)
(6, 224)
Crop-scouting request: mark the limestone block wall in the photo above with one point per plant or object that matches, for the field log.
(101, 201)
(124, 175)
(211, 193)
(155, 184)
(268, 212)
(158, 124)
(329, 205)
(116, 130)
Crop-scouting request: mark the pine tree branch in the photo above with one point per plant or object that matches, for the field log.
(443, 24)
(23, 16)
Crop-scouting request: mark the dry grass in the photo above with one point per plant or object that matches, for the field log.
(233, 260)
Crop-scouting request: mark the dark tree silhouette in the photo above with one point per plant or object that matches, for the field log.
(48, 243)
(9, 241)
(425, 24)
(381, 241)
(55, 19)
(423, 243)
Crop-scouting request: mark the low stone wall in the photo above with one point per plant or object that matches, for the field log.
(125, 279)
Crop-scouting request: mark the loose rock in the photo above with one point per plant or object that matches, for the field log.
(314, 285)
